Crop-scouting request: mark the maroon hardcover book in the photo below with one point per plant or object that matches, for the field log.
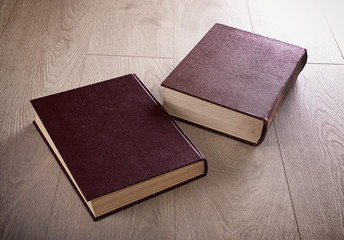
(116, 143)
(243, 72)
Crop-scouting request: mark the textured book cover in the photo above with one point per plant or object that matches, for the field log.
(241, 71)
(112, 135)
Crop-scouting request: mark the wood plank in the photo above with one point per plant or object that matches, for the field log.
(28, 183)
(6, 8)
(152, 219)
(42, 51)
(193, 19)
(244, 196)
(333, 10)
(311, 134)
(135, 28)
(298, 22)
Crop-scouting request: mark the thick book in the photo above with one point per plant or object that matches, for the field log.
(116, 143)
(233, 82)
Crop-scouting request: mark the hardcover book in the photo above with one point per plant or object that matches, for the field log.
(116, 143)
(233, 82)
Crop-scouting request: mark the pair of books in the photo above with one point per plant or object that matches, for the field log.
(119, 146)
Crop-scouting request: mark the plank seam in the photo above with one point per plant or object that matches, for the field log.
(8, 19)
(286, 178)
(116, 55)
(88, 44)
(327, 64)
(52, 205)
(249, 14)
(335, 39)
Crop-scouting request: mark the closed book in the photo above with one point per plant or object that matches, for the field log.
(116, 143)
(233, 82)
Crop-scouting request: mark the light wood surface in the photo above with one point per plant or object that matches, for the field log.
(333, 11)
(311, 135)
(300, 22)
(6, 8)
(138, 27)
(289, 187)
(42, 51)
(244, 196)
(193, 19)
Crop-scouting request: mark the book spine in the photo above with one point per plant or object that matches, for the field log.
(285, 90)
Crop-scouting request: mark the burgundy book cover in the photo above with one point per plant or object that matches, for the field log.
(239, 70)
(114, 134)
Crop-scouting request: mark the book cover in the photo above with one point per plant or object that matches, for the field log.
(114, 135)
(239, 71)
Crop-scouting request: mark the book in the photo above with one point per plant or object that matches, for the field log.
(116, 143)
(233, 82)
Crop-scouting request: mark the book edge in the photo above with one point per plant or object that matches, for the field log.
(63, 170)
(126, 206)
(271, 114)
(163, 84)
(216, 131)
(83, 197)
(257, 34)
(155, 194)
(77, 88)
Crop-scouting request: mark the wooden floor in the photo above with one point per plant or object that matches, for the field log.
(290, 187)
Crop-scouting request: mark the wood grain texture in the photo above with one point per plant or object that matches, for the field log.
(297, 22)
(311, 134)
(193, 19)
(28, 184)
(6, 8)
(244, 196)
(152, 219)
(133, 28)
(42, 51)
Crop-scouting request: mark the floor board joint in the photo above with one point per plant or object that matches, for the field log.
(110, 55)
(286, 178)
(8, 19)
